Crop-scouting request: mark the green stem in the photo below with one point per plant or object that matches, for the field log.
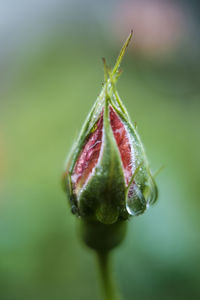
(109, 286)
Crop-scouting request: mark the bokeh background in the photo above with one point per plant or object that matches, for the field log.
(51, 73)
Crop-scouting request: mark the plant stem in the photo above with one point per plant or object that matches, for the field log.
(109, 286)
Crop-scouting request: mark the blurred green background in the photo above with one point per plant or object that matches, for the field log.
(51, 73)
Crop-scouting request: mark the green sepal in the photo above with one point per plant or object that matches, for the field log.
(104, 194)
(146, 190)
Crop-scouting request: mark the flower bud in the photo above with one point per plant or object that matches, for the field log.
(107, 176)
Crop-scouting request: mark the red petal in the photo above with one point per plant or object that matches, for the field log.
(123, 143)
(88, 157)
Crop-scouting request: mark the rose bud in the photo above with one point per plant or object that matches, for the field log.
(107, 176)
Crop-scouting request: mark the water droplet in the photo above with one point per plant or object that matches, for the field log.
(150, 192)
(135, 201)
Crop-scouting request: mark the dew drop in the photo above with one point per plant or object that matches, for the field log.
(150, 192)
(135, 201)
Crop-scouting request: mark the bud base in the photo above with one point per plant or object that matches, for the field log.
(101, 237)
